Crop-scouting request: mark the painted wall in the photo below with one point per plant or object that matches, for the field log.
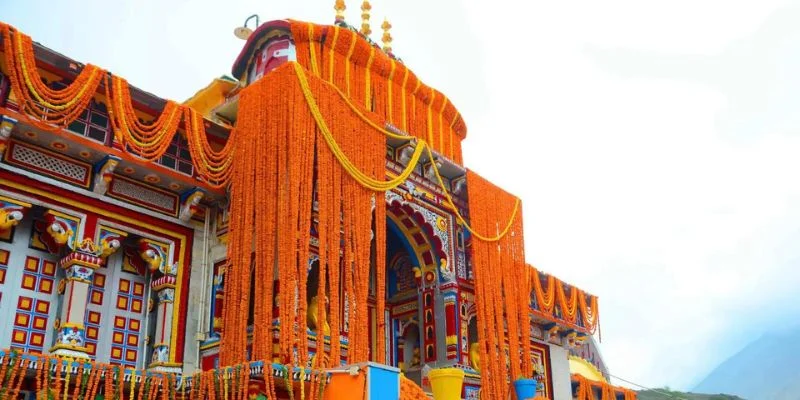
(559, 363)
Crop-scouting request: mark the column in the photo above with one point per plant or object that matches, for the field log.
(164, 287)
(79, 266)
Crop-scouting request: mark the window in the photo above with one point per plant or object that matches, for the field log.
(177, 156)
(93, 121)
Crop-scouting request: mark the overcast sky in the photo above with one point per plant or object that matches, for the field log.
(655, 146)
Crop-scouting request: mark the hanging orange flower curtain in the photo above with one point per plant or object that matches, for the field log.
(368, 77)
(502, 290)
(284, 138)
(272, 191)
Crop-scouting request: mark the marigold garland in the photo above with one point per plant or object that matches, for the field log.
(410, 391)
(365, 74)
(54, 109)
(586, 389)
(554, 293)
(49, 107)
(282, 207)
(502, 288)
(77, 388)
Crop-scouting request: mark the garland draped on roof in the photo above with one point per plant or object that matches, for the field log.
(54, 109)
(285, 150)
(607, 391)
(381, 84)
(554, 292)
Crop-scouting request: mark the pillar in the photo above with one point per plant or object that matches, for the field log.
(79, 266)
(164, 288)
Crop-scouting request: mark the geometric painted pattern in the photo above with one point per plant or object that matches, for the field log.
(4, 256)
(114, 313)
(28, 293)
(39, 275)
(93, 314)
(30, 322)
(125, 341)
(125, 336)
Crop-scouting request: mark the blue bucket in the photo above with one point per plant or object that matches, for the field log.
(525, 388)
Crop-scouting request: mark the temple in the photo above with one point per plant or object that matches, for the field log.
(305, 227)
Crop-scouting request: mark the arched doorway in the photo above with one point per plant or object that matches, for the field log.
(412, 277)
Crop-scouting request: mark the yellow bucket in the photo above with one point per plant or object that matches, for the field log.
(446, 383)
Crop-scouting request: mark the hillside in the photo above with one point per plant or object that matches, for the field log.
(766, 369)
(661, 395)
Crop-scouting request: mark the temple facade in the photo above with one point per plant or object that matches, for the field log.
(114, 248)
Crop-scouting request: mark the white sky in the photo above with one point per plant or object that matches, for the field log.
(654, 144)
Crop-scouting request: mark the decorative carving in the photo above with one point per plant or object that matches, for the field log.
(148, 255)
(104, 173)
(71, 336)
(11, 213)
(459, 185)
(6, 126)
(190, 203)
(404, 154)
(428, 171)
(110, 241)
(160, 354)
(81, 263)
(166, 295)
(56, 230)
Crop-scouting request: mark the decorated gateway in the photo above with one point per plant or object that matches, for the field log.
(304, 229)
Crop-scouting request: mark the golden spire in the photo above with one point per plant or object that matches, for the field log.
(339, 7)
(365, 9)
(387, 37)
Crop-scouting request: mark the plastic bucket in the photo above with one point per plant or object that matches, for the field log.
(446, 383)
(346, 387)
(525, 388)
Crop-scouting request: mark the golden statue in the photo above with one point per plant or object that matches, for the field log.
(311, 317)
(475, 356)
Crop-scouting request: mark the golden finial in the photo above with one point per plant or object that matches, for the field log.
(339, 7)
(387, 37)
(365, 8)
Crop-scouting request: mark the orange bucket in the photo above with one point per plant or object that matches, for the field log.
(346, 387)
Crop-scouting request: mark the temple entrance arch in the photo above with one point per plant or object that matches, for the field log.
(412, 275)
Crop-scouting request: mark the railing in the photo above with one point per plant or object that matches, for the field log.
(60, 368)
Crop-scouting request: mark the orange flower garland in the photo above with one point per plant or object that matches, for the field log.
(367, 76)
(502, 288)
(211, 163)
(410, 391)
(50, 107)
(285, 185)
(554, 293)
(569, 305)
(586, 387)
(23, 368)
